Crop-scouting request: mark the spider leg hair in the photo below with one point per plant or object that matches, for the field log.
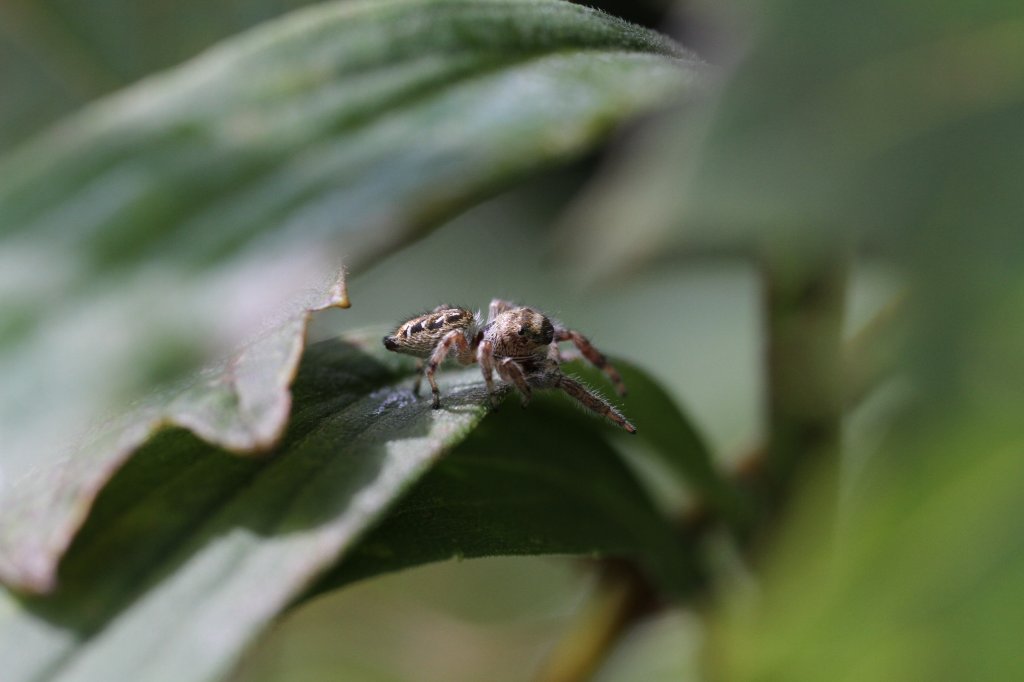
(593, 355)
(485, 356)
(510, 370)
(497, 307)
(583, 395)
(453, 339)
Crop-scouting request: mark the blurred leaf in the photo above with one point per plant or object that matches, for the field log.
(190, 552)
(549, 485)
(900, 126)
(241, 404)
(851, 118)
(925, 580)
(641, 186)
(153, 231)
(56, 55)
(672, 438)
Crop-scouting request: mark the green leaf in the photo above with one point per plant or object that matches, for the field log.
(672, 438)
(241, 404)
(897, 126)
(551, 484)
(923, 582)
(190, 552)
(838, 121)
(55, 55)
(150, 234)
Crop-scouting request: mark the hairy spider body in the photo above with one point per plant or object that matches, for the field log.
(437, 332)
(422, 334)
(518, 343)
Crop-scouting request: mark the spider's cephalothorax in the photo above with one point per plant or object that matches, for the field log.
(517, 342)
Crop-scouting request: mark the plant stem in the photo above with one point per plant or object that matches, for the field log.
(621, 597)
(804, 301)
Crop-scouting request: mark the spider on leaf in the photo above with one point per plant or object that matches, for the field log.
(518, 343)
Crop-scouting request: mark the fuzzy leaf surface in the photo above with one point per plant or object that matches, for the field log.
(550, 485)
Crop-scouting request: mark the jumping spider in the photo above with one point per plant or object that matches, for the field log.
(519, 343)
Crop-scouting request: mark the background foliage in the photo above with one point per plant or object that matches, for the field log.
(813, 250)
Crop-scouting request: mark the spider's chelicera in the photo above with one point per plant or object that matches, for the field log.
(519, 343)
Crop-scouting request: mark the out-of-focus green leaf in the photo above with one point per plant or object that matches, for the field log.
(900, 126)
(672, 438)
(189, 552)
(537, 481)
(56, 55)
(839, 120)
(924, 580)
(153, 231)
(241, 404)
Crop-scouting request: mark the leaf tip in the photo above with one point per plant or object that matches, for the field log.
(338, 292)
(34, 575)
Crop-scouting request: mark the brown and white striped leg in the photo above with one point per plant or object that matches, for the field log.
(453, 339)
(510, 370)
(593, 355)
(485, 357)
(591, 401)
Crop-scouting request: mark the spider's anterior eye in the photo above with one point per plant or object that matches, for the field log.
(522, 331)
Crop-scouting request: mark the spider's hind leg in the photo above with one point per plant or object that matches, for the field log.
(499, 306)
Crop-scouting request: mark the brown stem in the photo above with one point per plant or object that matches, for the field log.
(871, 355)
(621, 597)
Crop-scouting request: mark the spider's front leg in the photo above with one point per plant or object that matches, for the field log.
(510, 370)
(485, 357)
(554, 378)
(453, 339)
(593, 355)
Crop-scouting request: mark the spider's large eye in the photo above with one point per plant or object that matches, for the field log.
(522, 331)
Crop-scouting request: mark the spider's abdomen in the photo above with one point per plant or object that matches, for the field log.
(420, 335)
